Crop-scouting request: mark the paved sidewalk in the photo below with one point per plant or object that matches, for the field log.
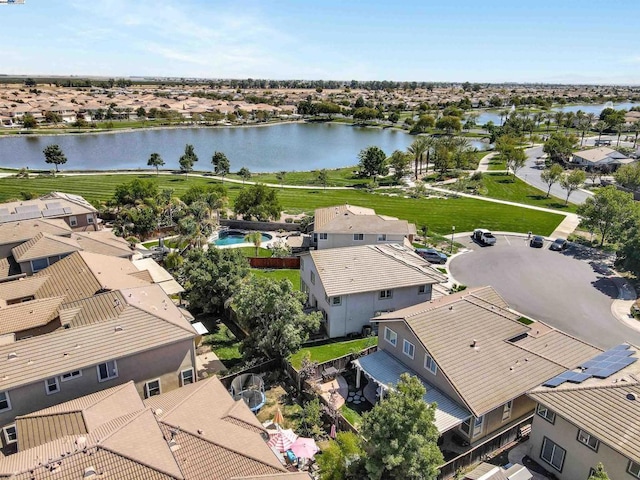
(483, 166)
(621, 307)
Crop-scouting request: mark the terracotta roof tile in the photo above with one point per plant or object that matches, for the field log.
(44, 245)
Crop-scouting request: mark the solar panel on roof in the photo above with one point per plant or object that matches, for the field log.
(578, 377)
(4, 211)
(554, 382)
(53, 212)
(53, 205)
(606, 372)
(27, 208)
(622, 346)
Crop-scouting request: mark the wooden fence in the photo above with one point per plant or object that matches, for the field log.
(268, 366)
(286, 262)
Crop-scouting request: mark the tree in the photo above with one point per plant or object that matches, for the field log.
(628, 176)
(311, 419)
(373, 162)
(341, 459)
(221, 165)
(628, 254)
(245, 174)
(188, 159)
(211, 277)
(141, 112)
(400, 434)
(255, 238)
(281, 175)
(135, 192)
(449, 124)
(323, 177)
(53, 154)
(399, 161)
(608, 212)
(572, 182)
(271, 312)
(155, 160)
(258, 201)
(52, 117)
(516, 160)
(418, 148)
(551, 175)
(365, 113)
(29, 121)
(600, 127)
(635, 128)
(560, 147)
(599, 473)
(514, 157)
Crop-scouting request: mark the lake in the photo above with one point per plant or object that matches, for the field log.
(290, 146)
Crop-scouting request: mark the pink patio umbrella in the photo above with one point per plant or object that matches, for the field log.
(304, 447)
(282, 439)
(333, 432)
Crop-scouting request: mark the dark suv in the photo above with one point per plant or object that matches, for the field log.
(537, 242)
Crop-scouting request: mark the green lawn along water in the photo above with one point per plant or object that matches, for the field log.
(329, 351)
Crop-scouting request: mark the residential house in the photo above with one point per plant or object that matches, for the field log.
(114, 434)
(590, 415)
(13, 234)
(73, 209)
(600, 157)
(348, 225)
(480, 357)
(352, 284)
(52, 351)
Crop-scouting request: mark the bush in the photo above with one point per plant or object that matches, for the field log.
(288, 220)
(477, 176)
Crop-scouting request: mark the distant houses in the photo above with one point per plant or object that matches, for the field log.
(597, 158)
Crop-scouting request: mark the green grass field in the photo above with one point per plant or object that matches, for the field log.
(339, 177)
(497, 163)
(292, 275)
(225, 345)
(438, 214)
(329, 351)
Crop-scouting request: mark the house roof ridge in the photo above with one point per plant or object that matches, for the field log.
(201, 384)
(175, 324)
(141, 462)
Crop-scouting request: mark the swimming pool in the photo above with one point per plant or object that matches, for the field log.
(233, 237)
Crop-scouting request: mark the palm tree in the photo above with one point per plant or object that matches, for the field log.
(255, 238)
(592, 117)
(583, 125)
(600, 127)
(418, 148)
(636, 129)
(548, 118)
(503, 114)
(619, 128)
(570, 118)
(558, 117)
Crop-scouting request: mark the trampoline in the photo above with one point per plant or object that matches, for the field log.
(249, 387)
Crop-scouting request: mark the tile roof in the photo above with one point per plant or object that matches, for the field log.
(20, 288)
(607, 408)
(600, 154)
(44, 245)
(351, 219)
(505, 361)
(24, 230)
(323, 215)
(24, 316)
(159, 275)
(103, 242)
(52, 205)
(367, 268)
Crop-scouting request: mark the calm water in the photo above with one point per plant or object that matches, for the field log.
(261, 149)
(235, 238)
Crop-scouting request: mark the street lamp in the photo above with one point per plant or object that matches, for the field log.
(453, 230)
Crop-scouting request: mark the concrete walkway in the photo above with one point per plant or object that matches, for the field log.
(483, 165)
(517, 453)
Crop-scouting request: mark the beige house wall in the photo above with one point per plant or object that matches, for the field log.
(164, 363)
(579, 458)
(5, 250)
(337, 240)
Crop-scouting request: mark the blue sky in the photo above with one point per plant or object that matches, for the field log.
(563, 41)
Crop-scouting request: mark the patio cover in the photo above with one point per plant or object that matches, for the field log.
(385, 370)
(159, 275)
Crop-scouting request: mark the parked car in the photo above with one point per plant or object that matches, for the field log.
(432, 255)
(536, 242)
(483, 236)
(559, 244)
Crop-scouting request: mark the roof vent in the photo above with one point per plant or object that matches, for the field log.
(450, 307)
(158, 412)
(119, 328)
(473, 343)
(173, 445)
(200, 432)
(81, 442)
(116, 302)
(12, 356)
(631, 396)
(90, 472)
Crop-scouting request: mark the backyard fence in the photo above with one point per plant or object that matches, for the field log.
(268, 366)
(286, 262)
(267, 226)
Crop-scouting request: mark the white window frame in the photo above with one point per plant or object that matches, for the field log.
(90, 219)
(587, 439)
(382, 237)
(335, 301)
(7, 436)
(55, 381)
(193, 379)
(506, 410)
(323, 236)
(545, 413)
(392, 337)
(358, 237)
(636, 469)
(110, 376)
(6, 399)
(428, 359)
(73, 221)
(466, 425)
(385, 294)
(71, 375)
(407, 347)
(147, 388)
(553, 452)
(478, 425)
(423, 289)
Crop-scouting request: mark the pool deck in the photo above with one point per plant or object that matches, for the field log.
(274, 239)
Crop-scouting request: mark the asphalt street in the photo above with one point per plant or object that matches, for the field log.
(570, 290)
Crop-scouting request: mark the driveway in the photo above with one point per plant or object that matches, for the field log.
(570, 291)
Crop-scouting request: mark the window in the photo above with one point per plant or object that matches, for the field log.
(10, 434)
(71, 375)
(90, 219)
(51, 385)
(545, 413)
(313, 278)
(152, 388)
(430, 364)
(588, 440)
(552, 454)
(634, 469)
(5, 401)
(336, 300)
(322, 236)
(186, 376)
(39, 264)
(477, 426)
(408, 349)
(73, 221)
(466, 426)
(423, 289)
(301, 264)
(358, 237)
(382, 237)
(386, 294)
(390, 336)
(107, 371)
(506, 410)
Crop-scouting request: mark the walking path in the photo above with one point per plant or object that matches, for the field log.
(483, 165)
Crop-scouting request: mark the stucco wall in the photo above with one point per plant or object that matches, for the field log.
(337, 240)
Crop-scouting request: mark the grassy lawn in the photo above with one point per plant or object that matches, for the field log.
(251, 252)
(438, 214)
(225, 345)
(497, 163)
(506, 187)
(353, 417)
(339, 177)
(292, 275)
(323, 353)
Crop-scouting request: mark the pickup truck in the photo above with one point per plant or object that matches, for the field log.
(483, 236)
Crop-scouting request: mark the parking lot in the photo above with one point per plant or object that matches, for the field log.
(569, 290)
